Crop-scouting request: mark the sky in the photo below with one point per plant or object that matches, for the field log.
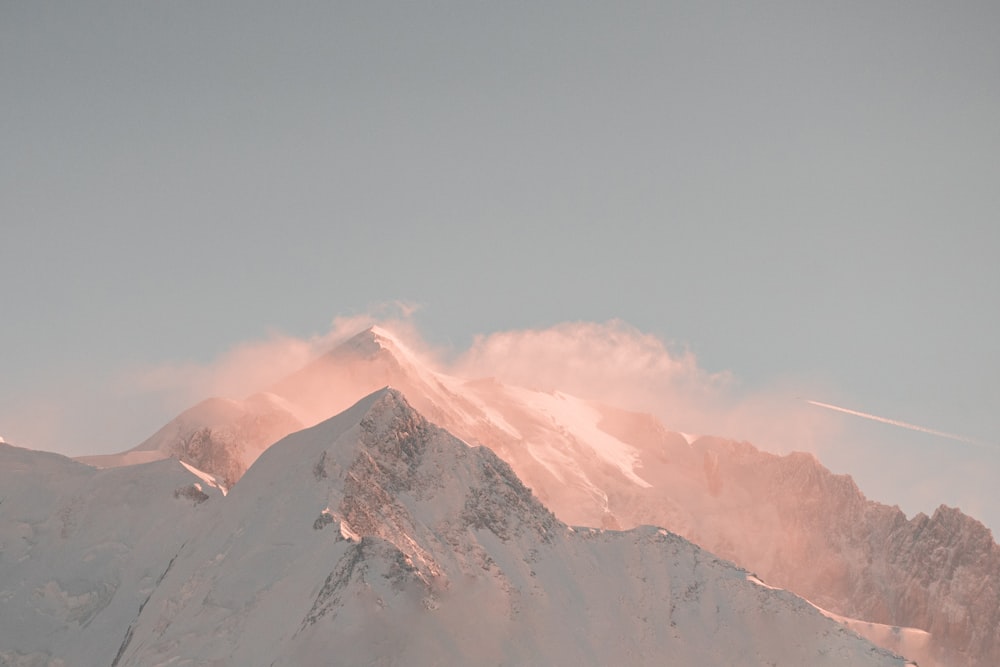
(800, 198)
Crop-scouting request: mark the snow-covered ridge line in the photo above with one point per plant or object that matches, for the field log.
(913, 643)
(787, 518)
(440, 547)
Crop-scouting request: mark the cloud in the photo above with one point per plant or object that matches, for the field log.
(248, 366)
(611, 362)
(616, 363)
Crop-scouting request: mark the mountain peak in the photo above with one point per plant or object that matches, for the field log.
(365, 344)
(376, 342)
(370, 341)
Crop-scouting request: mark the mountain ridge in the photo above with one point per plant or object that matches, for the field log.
(786, 518)
(398, 543)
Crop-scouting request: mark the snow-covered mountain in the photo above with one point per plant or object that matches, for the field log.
(786, 518)
(373, 538)
(219, 435)
(81, 550)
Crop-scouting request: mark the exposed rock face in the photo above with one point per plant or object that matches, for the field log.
(942, 574)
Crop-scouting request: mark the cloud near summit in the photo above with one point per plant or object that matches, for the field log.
(615, 363)
(610, 362)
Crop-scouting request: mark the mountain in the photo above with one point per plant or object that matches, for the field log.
(377, 538)
(81, 549)
(219, 435)
(786, 518)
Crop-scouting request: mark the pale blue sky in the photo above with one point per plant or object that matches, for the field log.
(796, 191)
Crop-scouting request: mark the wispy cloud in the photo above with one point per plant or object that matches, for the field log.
(610, 362)
(616, 363)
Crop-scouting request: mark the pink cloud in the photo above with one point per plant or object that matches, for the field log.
(615, 363)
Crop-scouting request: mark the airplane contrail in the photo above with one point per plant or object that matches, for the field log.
(901, 424)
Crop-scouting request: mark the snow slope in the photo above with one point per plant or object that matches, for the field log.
(378, 538)
(81, 549)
